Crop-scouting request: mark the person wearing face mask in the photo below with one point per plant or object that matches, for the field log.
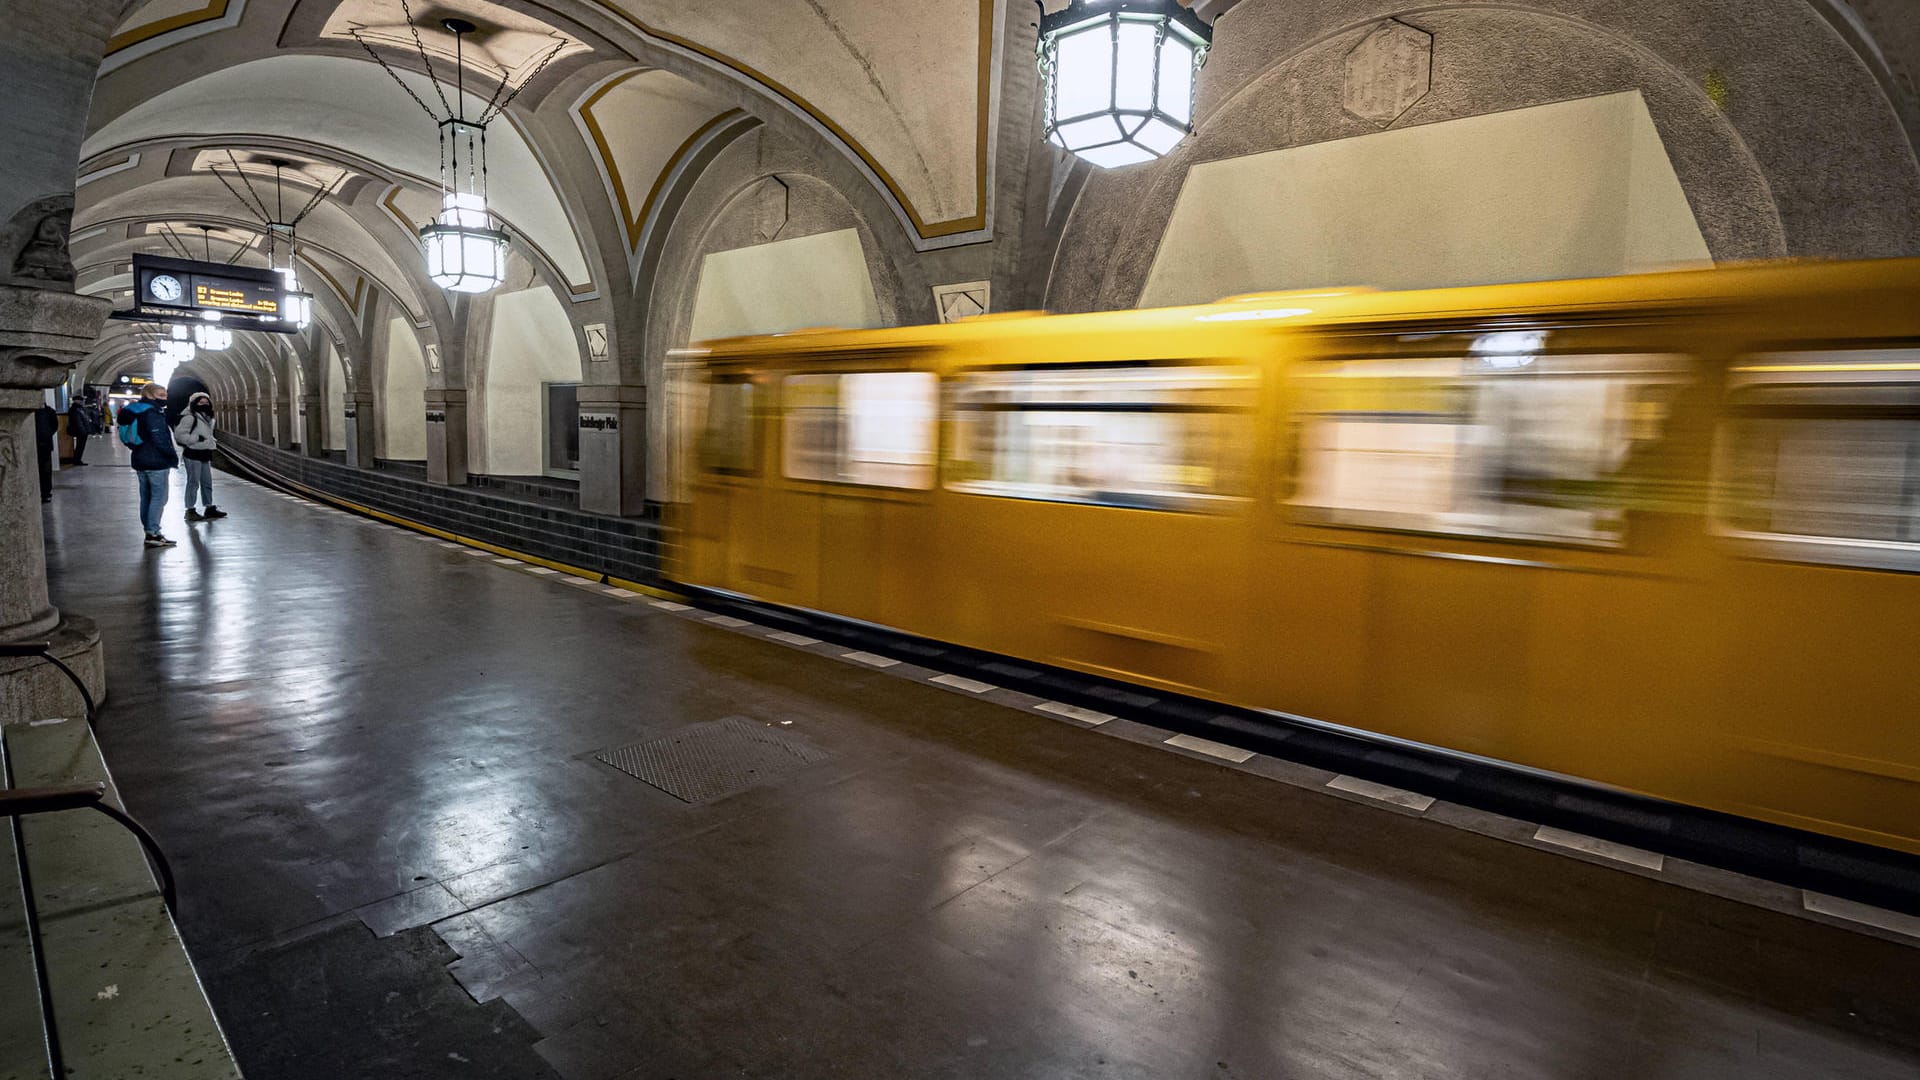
(194, 432)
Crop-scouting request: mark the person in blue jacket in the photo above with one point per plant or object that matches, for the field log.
(144, 429)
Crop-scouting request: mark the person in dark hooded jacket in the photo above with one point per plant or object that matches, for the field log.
(143, 428)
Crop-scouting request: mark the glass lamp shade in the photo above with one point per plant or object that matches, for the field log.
(464, 253)
(212, 338)
(296, 307)
(1120, 77)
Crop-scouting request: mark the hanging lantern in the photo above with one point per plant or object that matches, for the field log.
(210, 335)
(296, 307)
(1119, 77)
(466, 249)
(465, 253)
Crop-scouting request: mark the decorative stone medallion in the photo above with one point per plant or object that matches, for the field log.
(958, 301)
(1388, 71)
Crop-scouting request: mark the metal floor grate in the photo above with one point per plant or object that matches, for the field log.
(715, 759)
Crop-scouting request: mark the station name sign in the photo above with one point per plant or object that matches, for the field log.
(172, 290)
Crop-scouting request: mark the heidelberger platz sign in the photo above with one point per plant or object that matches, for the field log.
(184, 290)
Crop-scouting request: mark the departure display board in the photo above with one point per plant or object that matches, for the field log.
(172, 289)
(225, 294)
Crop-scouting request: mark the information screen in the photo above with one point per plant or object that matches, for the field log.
(226, 294)
(167, 289)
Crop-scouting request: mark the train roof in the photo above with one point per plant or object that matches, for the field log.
(1770, 283)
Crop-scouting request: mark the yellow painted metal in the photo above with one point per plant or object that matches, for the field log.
(1682, 663)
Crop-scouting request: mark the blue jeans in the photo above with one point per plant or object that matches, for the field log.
(199, 478)
(153, 497)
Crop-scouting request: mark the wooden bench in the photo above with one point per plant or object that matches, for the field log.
(94, 981)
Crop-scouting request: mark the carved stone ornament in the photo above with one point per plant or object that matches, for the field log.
(34, 244)
(1388, 71)
(769, 207)
(961, 300)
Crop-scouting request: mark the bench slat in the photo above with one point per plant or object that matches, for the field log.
(126, 1001)
(23, 1046)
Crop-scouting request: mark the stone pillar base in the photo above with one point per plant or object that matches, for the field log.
(33, 689)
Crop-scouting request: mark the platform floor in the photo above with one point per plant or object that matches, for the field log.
(370, 754)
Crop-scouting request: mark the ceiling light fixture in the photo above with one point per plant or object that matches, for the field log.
(296, 305)
(1119, 77)
(466, 249)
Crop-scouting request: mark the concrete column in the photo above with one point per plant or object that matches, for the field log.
(285, 434)
(250, 420)
(447, 436)
(43, 333)
(613, 449)
(360, 427)
(313, 425)
(50, 54)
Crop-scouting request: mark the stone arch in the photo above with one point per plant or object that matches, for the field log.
(760, 190)
(1277, 78)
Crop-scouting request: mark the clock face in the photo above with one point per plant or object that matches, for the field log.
(165, 288)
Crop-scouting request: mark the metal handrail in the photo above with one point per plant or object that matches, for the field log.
(20, 802)
(44, 651)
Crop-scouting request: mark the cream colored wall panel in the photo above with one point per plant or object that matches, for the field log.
(818, 280)
(403, 412)
(532, 343)
(335, 392)
(1573, 189)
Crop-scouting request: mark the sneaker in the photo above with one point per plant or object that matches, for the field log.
(213, 513)
(195, 515)
(156, 540)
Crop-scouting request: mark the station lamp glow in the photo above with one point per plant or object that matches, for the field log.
(296, 306)
(466, 248)
(465, 252)
(1119, 77)
(210, 335)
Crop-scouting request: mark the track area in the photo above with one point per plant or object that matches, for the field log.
(369, 753)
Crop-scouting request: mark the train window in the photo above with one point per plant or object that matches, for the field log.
(1505, 442)
(726, 438)
(1825, 450)
(1169, 437)
(873, 428)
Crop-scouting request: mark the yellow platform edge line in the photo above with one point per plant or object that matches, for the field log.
(319, 496)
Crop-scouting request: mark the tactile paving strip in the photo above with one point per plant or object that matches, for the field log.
(715, 759)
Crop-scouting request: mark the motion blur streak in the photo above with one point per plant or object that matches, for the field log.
(1659, 532)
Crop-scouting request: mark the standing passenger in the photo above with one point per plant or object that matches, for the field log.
(194, 431)
(81, 424)
(46, 425)
(143, 427)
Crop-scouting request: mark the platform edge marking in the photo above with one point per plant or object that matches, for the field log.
(1865, 914)
(1210, 748)
(1367, 789)
(1073, 712)
(1605, 849)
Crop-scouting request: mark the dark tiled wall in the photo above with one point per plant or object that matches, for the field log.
(557, 491)
(620, 547)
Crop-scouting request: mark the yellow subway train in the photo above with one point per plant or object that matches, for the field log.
(1658, 532)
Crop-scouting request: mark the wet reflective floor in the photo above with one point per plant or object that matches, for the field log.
(369, 754)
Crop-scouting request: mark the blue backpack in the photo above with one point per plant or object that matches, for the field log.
(130, 428)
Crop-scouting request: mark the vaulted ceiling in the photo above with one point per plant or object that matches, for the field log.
(605, 100)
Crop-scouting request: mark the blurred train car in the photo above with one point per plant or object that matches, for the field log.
(1658, 532)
